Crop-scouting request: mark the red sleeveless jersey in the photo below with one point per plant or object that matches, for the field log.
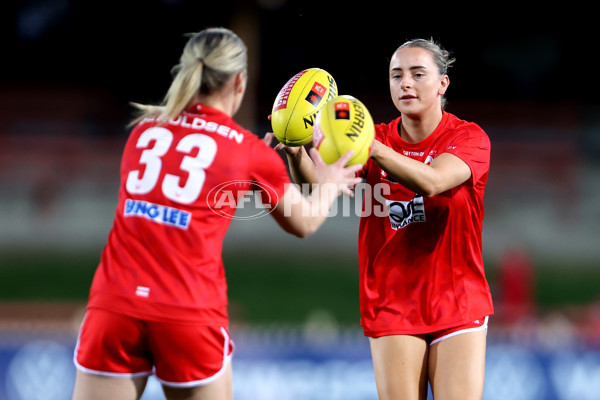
(420, 259)
(180, 183)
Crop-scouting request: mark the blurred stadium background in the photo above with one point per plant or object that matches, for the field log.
(69, 69)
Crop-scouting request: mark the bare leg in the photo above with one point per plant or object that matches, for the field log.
(220, 389)
(457, 367)
(400, 364)
(96, 387)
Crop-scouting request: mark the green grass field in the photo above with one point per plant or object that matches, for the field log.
(263, 288)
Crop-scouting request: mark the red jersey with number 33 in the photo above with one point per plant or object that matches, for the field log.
(420, 259)
(180, 181)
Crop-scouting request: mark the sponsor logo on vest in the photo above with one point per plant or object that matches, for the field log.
(157, 213)
(402, 213)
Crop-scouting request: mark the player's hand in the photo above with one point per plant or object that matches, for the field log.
(344, 178)
(291, 150)
(268, 138)
(374, 149)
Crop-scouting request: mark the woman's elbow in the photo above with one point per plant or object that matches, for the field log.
(305, 230)
(427, 189)
(303, 234)
(299, 229)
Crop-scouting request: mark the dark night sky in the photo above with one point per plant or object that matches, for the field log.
(127, 48)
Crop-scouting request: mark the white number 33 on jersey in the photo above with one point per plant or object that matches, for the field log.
(152, 158)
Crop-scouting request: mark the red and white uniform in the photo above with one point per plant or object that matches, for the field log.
(162, 261)
(421, 266)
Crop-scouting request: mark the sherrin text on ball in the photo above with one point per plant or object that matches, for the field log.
(296, 106)
(343, 124)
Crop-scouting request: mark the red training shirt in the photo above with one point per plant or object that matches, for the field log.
(162, 260)
(420, 259)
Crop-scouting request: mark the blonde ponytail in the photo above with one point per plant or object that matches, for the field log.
(209, 59)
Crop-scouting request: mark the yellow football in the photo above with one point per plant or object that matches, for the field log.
(343, 124)
(296, 106)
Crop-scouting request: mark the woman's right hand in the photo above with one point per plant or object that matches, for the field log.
(336, 174)
(291, 150)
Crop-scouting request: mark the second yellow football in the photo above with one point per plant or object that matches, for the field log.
(343, 124)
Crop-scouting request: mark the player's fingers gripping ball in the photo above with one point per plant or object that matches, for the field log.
(343, 124)
(297, 104)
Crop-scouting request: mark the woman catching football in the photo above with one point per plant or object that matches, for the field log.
(424, 297)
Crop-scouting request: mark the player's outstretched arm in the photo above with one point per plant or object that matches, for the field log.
(303, 215)
(301, 165)
(302, 168)
(444, 173)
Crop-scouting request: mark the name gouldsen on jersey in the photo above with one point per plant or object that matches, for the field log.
(402, 213)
